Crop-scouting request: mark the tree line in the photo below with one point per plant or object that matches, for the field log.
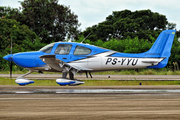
(40, 22)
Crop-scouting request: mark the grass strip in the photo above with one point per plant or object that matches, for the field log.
(8, 81)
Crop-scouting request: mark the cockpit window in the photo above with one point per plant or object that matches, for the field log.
(63, 49)
(47, 48)
(82, 51)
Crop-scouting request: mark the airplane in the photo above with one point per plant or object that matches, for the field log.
(72, 58)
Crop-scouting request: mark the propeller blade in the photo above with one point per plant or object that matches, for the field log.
(11, 69)
(11, 61)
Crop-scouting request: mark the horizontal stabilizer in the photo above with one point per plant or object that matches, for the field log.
(150, 62)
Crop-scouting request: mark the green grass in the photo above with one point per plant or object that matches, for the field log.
(141, 72)
(127, 82)
(8, 81)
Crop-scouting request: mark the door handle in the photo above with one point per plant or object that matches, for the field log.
(64, 58)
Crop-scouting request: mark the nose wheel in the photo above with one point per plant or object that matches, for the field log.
(22, 81)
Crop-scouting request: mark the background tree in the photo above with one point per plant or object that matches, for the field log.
(49, 20)
(23, 39)
(171, 26)
(8, 12)
(143, 24)
(175, 52)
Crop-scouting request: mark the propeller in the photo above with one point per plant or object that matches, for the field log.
(10, 58)
(11, 69)
(11, 61)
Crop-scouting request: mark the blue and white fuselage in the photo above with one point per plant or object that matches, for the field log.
(72, 58)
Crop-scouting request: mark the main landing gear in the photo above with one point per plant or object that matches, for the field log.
(71, 81)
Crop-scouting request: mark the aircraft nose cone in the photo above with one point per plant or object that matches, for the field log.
(8, 57)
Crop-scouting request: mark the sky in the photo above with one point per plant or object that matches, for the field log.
(92, 12)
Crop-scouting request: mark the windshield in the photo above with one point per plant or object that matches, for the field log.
(47, 48)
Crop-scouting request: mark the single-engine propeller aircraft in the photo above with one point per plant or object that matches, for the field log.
(72, 58)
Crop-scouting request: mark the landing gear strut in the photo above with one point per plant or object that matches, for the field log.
(89, 75)
(22, 81)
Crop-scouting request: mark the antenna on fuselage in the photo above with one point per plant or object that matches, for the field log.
(69, 40)
(85, 38)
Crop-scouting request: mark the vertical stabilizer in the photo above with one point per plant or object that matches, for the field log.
(162, 47)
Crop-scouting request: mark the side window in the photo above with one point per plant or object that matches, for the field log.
(63, 49)
(82, 51)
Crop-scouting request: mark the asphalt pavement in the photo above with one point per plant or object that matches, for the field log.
(151, 105)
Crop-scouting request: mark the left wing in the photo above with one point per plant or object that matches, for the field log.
(60, 65)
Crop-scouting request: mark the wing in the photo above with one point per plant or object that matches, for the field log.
(60, 65)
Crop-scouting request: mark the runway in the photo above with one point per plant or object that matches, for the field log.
(122, 102)
(89, 89)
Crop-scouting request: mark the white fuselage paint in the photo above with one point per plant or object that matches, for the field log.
(104, 61)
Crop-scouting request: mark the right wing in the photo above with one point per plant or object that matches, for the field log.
(60, 65)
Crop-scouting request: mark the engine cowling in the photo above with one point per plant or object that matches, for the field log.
(22, 81)
(63, 82)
